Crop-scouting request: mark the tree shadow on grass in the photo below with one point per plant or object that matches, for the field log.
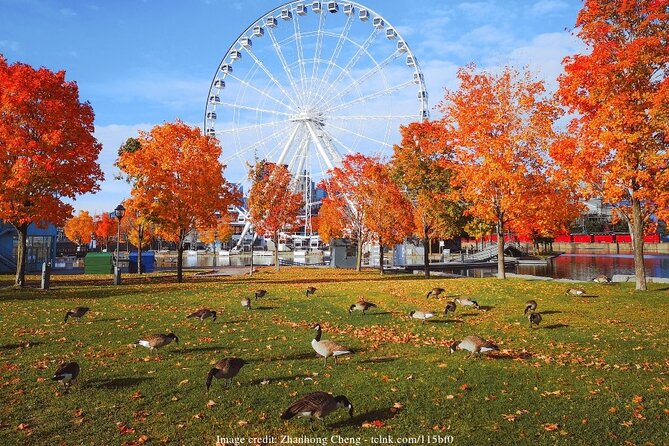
(380, 360)
(299, 357)
(264, 308)
(486, 307)
(554, 326)
(117, 383)
(446, 321)
(510, 355)
(551, 312)
(27, 344)
(210, 348)
(374, 415)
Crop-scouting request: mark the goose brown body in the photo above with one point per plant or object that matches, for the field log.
(259, 293)
(421, 315)
(246, 303)
(317, 405)
(575, 292)
(534, 318)
(67, 373)
(450, 306)
(601, 279)
(530, 305)
(325, 347)
(227, 369)
(203, 314)
(156, 341)
(361, 306)
(465, 302)
(435, 292)
(77, 312)
(474, 344)
(310, 291)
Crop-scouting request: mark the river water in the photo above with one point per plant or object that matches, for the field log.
(579, 266)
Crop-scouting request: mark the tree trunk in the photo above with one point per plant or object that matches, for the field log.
(276, 251)
(180, 256)
(140, 236)
(21, 255)
(426, 252)
(636, 231)
(251, 270)
(358, 260)
(381, 255)
(501, 272)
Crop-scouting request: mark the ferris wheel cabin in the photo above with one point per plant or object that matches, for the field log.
(211, 115)
(378, 23)
(235, 55)
(226, 68)
(333, 7)
(391, 34)
(210, 131)
(245, 42)
(401, 46)
(219, 83)
(214, 99)
(301, 10)
(286, 14)
(258, 31)
(271, 22)
(418, 78)
(349, 9)
(411, 61)
(316, 7)
(363, 15)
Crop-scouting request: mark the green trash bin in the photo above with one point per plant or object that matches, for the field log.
(99, 263)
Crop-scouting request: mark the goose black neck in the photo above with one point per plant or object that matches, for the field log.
(318, 334)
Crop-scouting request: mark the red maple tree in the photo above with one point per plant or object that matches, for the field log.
(619, 92)
(47, 149)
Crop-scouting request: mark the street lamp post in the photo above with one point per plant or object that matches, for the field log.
(119, 212)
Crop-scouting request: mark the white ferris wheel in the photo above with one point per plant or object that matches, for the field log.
(308, 83)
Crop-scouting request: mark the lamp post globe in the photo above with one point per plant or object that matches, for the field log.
(119, 212)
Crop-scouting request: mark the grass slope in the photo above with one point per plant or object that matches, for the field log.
(595, 372)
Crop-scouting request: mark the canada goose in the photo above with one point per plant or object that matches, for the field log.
(203, 314)
(326, 347)
(530, 305)
(317, 405)
(534, 319)
(450, 306)
(246, 303)
(226, 369)
(475, 345)
(601, 279)
(156, 341)
(259, 293)
(310, 291)
(575, 292)
(435, 292)
(467, 302)
(78, 312)
(67, 373)
(422, 315)
(361, 306)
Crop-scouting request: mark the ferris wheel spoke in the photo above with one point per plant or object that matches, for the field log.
(340, 44)
(286, 147)
(282, 59)
(348, 149)
(360, 135)
(319, 44)
(274, 80)
(362, 49)
(252, 127)
(318, 142)
(369, 97)
(377, 68)
(262, 92)
(255, 109)
(252, 147)
(369, 117)
(301, 63)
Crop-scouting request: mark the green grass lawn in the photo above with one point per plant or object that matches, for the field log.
(596, 371)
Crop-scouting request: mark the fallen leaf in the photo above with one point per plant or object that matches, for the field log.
(211, 403)
(198, 416)
(550, 427)
(613, 409)
(242, 422)
(264, 382)
(123, 429)
(181, 383)
(637, 399)
(465, 387)
(449, 397)
(137, 395)
(23, 426)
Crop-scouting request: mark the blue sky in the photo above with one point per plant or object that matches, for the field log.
(142, 63)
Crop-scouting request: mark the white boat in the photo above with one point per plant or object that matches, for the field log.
(300, 252)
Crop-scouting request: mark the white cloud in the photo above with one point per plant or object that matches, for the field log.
(10, 45)
(67, 12)
(544, 7)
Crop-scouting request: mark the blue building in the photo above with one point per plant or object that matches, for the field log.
(40, 247)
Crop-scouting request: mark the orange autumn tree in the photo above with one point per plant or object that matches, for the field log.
(138, 228)
(499, 128)
(178, 179)
(80, 228)
(344, 210)
(388, 213)
(105, 228)
(47, 150)
(273, 205)
(417, 167)
(619, 92)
